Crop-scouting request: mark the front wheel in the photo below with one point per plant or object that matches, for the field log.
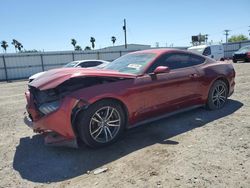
(217, 96)
(101, 124)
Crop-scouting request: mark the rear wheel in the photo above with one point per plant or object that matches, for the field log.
(217, 96)
(101, 124)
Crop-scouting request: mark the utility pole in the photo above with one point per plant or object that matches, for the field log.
(226, 33)
(206, 38)
(125, 32)
(199, 39)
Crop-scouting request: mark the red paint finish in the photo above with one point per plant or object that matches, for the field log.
(58, 121)
(144, 96)
(55, 77)
(248, 55)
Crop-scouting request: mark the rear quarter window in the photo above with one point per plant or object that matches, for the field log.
(196, 60)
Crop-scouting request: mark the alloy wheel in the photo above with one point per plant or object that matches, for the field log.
(105, 124)
(219, 95)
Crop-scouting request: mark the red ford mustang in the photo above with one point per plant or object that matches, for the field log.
(95, 106)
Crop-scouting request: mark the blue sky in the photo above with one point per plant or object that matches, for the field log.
(50, 24)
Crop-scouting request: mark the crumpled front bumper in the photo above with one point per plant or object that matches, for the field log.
(56, 126)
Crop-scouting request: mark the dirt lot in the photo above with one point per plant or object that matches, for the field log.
(194, 149)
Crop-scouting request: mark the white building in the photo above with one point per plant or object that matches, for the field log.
(130, 47)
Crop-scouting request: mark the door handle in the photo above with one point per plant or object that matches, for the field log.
(193, 75)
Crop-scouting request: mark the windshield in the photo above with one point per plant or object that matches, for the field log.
(197, 50)
(245, 48)
(131, 63)
(71, 64)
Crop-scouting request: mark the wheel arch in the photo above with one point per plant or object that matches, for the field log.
(222, 78)
(80, 109)
(120, 102)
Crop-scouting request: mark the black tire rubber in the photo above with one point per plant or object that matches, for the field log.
(210, 105)
(234, 61)
(84, 118)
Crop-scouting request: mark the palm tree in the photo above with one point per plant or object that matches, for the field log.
(78, 48)
(73, 42)
(19, 46)
(92, 40)
(113, 39)
(14, 43)
(4, 45)
(87, 48)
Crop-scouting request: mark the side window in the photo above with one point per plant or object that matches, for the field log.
(159, 62)
(176, 61)
(96, 63)
(196, 60)
(90, 64)
(207, 51)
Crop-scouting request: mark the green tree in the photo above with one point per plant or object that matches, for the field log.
(113, 39)
(87, 48)
(73, 42)
(237, 38)
(19, 46)
(14, 43)
(78, 48)
(92, 40)
(4, 45)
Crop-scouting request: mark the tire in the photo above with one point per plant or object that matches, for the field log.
(217, 96)
(234, 61)
(222, 59)
(247, 60)
(101, 124)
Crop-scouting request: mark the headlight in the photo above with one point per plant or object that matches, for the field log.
(47, 108)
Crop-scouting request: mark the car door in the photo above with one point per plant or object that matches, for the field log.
(167, 92)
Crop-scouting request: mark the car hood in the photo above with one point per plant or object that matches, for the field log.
(52, 78)
(34, 76)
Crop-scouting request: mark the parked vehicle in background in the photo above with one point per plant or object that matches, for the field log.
(243, 54)
(78, 63)
(215, 51)
(96, 105)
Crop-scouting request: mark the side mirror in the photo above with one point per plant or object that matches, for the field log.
(161, 69)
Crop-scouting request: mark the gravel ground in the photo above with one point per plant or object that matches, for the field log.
(198, 148)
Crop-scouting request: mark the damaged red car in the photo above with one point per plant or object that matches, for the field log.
(97, 105)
